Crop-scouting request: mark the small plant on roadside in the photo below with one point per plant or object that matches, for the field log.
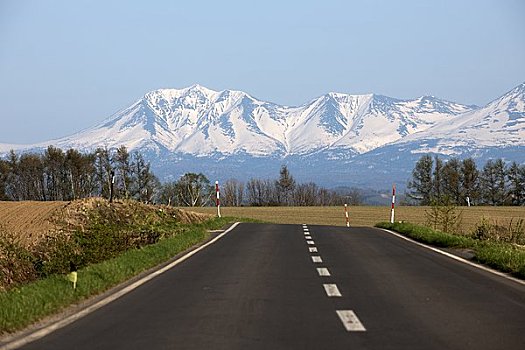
(444, 216)
(513, 232)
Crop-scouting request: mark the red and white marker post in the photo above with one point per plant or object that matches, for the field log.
(218, 201)
(346, 214)
(393, 203)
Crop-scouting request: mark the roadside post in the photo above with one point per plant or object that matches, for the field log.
(111, 186)
(393, 203)
(346, 214)
(218, 201)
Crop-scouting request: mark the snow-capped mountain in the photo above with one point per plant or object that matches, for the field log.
(230, 133)
(200, 121)
(501, 123)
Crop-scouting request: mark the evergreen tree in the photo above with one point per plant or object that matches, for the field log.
(516, 179)
(493, 182)
(420, 187)
(285, 187)
(452, 181)
(469, 180)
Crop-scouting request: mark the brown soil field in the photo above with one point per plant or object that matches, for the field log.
(28, 220)
(365, 215)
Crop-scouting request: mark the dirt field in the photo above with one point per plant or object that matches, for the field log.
(27, 220)
(364, 215)
(30, 221)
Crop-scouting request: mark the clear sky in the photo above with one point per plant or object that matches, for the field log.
(66, 65)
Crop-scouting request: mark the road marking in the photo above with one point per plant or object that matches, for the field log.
(310, 242)
(312, 249)
(70, 319)
(306, 233)
(457, 258)
(323, 271)
(306, 230)
(317, 259)
(308, 237)
(332, 290)
(350, 321)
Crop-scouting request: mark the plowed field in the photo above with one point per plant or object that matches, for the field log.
(27, 220)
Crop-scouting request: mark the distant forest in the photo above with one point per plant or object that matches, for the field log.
(460, 182)
(57, 175)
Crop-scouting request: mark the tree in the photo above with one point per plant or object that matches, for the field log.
(232, 193)
(103, 171)
(54, 159)
(144, 183)
(469, 180)
(451, 182)
(285, 187)
(437, 190)
(168, 194)
(516, 179)
(123, 171)
(420, 187)
(493, 182)
(194, 190)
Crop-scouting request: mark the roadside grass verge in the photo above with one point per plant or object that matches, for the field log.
(505, 257)
(28, 303)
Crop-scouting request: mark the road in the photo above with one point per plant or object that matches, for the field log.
(259, 287)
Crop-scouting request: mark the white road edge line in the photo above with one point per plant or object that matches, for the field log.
(457, 258)
(312, 249)
(317, 259)
(70, 319)
(332, 290)
(350, 321)
(323, 271)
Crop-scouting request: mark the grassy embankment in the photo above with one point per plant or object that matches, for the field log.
(154, 238)
(503, 256)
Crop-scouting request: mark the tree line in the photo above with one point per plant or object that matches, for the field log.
(55, 175)
(195, 190)
(460, 182)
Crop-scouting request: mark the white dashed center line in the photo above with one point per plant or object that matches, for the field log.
(323, 271)
(332, 290)
(312, 249)
(350, 321)
(317, 259)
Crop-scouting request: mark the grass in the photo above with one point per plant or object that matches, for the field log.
(31, 302)
(504, 257)
(363, 215)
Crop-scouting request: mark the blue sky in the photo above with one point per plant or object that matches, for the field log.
(66, 65)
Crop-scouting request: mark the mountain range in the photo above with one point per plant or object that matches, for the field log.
(336, 139)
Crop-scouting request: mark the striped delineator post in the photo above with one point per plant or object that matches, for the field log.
(346, 214)
(393, 203)
(218, 202)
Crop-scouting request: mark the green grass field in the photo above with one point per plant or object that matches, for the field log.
(363, 215)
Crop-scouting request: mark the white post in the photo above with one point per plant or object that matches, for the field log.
(393, 203)
(218, 202)
(346, 214)
(468, 201)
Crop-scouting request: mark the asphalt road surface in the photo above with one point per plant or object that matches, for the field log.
(266, 286)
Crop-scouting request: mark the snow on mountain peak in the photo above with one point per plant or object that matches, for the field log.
(200, 121)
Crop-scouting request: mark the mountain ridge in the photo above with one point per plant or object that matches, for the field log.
(197, 123)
